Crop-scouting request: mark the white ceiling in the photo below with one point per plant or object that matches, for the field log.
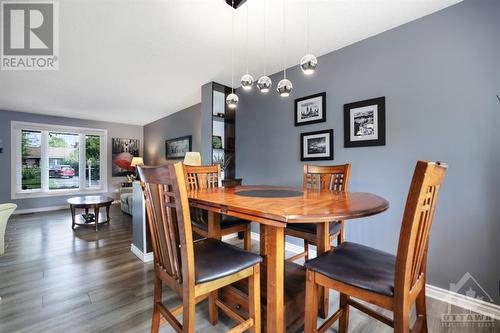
(135, 61)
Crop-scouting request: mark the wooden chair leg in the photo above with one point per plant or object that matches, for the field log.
(402, 320)
(344, 318)
(341, 235)
(248, 239)
(213, 309)
(254, 300)
(306, 249)
(422, 309)
(311, 304)
(155, 322)
(188, 314)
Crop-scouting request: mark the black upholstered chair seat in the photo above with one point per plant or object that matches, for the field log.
(359, 266)
(226, 222)
(310, 228)
(214, 259)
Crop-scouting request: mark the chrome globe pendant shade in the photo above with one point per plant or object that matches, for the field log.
(232, 99)
(247, 79)
(264, 84)
(308, 62)
(285, 86)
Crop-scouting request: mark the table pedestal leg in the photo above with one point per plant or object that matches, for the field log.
(274, 253)
(73, 212)
(107, 214)
(323, 245)
(96, 213)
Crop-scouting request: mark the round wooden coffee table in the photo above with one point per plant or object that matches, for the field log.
(92, 202)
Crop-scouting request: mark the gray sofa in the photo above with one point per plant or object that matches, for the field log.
(126, 200)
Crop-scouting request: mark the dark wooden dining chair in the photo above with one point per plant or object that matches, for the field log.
(332, 178)
(201, 177)
(193, 270)
(392, 282)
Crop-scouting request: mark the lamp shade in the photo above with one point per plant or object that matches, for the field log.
(192, 158)
(137, 161)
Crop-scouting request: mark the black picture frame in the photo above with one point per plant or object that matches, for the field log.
(322, 97)
(329, 149)
(217, 142)
(377, 123)
(184, 144)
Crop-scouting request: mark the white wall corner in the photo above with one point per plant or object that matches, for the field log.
(144, 257)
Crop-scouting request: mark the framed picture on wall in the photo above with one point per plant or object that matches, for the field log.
(176, 149)
(216, 142)
(123, 150)
(364, 123)
(316, 146)
(310, 109)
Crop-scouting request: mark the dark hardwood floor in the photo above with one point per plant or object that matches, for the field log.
(53, 279)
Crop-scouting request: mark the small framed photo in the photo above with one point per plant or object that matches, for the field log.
(176, 149)
(364, 123)
(316, 146)
(216, 142)
(310, 109)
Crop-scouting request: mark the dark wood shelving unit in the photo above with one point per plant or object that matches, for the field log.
(223, 127)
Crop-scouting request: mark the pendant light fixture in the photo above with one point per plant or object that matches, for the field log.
(308, 62)
(232, 99)
(247, 79)
(264, 83)
(284, 86)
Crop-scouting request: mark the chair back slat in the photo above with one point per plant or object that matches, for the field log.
(198, 178)
(417, 222)
(334, 177)
(201, 177)
(168, 219)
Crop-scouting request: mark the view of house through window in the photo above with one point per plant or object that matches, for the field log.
(30, 160)
(64, 160)
(55, 159)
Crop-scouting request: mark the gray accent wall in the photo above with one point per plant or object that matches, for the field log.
(115, 130)
(440, 76)
(182, 123)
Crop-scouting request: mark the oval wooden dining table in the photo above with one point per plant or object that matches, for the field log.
(273, 207)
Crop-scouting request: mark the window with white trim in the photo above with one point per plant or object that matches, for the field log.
(57, 160)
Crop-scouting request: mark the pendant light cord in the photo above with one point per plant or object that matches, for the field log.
(284, 42)
(247, 36)
(265, 39)
(232, 48)
(307, 26)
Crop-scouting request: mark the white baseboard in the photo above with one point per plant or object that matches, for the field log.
(144, 257)
(39, 210)
(473, 304)
(228, 237)
(440, 294)
(47, 209)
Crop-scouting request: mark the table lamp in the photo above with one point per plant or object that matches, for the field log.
(192, 158)
(137, 161)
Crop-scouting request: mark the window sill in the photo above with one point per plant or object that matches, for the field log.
(56, 193)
